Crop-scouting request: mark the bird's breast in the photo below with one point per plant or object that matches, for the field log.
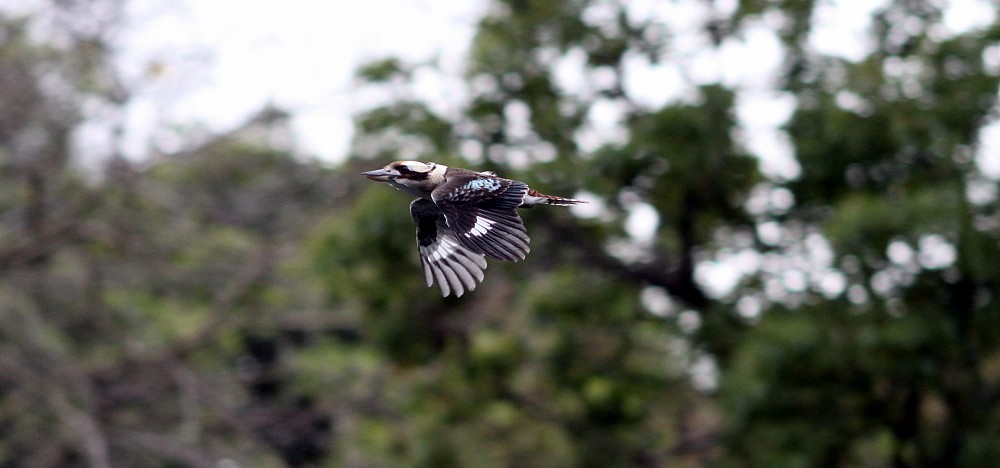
(415, 190)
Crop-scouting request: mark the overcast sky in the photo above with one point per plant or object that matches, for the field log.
(217, 61)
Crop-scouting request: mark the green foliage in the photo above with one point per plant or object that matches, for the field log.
(383, 71)
(237, 301)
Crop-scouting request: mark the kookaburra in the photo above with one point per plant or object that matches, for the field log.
(462, 216)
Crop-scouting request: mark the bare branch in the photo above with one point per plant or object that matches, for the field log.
(166, 447)
(83, 426)
(678, 281)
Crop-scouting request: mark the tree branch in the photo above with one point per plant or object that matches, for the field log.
(83, 426)
(165, 447)
(678, 281)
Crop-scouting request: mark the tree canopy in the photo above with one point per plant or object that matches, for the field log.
(234, 300)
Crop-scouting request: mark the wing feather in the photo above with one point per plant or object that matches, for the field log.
(481, 211)
(444, 258)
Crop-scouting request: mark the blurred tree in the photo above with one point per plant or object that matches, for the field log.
(143, 308)
(899, 366)
(867, 332)
(234, 300)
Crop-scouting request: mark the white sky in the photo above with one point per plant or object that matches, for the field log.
(221, 60)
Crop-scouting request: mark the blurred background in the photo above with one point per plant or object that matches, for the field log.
(791, 256)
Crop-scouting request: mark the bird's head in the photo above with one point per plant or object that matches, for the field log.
(401, 170)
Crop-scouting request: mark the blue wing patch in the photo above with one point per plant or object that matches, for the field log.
(482, 184)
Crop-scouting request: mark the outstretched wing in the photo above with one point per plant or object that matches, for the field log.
(482, 212)
(456, 268)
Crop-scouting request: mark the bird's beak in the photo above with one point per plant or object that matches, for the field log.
(378, 175)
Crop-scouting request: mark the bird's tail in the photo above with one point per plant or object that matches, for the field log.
(534, 197)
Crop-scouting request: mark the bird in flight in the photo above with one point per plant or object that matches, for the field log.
(463, 216)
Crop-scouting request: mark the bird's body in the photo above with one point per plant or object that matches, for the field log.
(461, 216)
